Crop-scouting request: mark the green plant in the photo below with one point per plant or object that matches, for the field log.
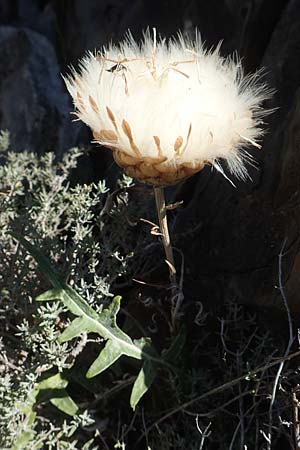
(37, 199)
(89, 321)
(227, 363)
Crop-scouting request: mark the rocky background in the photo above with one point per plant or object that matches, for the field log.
(231, 238)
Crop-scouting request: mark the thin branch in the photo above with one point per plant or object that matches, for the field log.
(204, 434)
(219, 408)
(296, 425)
(219, 389)
(288, 348)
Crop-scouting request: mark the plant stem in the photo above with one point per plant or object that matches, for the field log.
(163, 225)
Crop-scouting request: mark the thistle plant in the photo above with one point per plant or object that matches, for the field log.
(168, 108)
(165, 109)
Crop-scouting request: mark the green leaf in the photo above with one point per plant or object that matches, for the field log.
(53, 382)
(65, 404)
(76, 327)
(105, 324)
(57, 394)
(42, 261)
(142, 383)
(48, 296)
(106, 358)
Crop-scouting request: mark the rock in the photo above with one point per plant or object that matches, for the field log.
(83, 26)
(34, 105)
(89, 26)
(38, 16)
(282, 183)
(232, 238)
(8, 11)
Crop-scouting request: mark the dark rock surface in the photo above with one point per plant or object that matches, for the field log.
(231, 238)
(235, 251)
(34, 106)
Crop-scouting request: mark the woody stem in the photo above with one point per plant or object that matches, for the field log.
(163, 225)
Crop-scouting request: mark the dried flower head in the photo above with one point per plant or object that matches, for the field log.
(167, 108)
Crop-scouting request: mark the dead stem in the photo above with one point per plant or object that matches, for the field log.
(163, 225)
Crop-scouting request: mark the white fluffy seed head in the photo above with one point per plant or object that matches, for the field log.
(167, 108)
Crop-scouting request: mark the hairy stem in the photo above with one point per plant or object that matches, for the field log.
(163, 225)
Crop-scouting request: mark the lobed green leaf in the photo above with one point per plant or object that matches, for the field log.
(105, 324)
